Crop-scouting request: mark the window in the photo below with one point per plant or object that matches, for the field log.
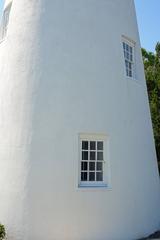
(5, 21)
(92, 169)
(128, 50)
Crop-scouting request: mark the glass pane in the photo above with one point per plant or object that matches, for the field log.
(127, 47)
(126, 62)
(83, 176)
(92, 166)
(91, 176)
(84, 155)
(99, 145)
(130, 49)
(92, 155)
(127, 72)
(92, 145)
(99, 176)
(124, 45)
(85, 145)
(99, 166)
(130, 66)
(84, 166)
(130, 73)
(100, 156)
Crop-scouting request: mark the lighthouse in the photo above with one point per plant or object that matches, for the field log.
(77, 155)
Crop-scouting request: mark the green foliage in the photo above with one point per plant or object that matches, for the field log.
(2, 232)
(152, 73)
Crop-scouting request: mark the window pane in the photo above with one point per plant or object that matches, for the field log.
(127, 47)
(84, 155)
(85, 145)
(130, 49)
(130, 73)
(100, 156)
(127, 72)
(126, 62)
(99, 166)
(92, 166)
(92, 160)
(128, 57)
(92, 145)
(99, 145)
(130, 66)
(99, 176)
(92, 155)
(91, 176)
(84, 166)
(83, 176)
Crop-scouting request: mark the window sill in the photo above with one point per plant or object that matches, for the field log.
(97, 187)
(2, 40)
(135, 80)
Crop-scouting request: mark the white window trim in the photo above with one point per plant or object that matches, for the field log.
(105, 184)
(131, 43)
(4, 27)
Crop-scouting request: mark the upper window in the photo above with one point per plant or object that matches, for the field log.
(128, 50)
(93, 169)
(5, 21)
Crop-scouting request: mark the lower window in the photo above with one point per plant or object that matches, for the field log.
(92, 166)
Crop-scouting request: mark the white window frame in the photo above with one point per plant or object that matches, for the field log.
(106, 176)
(129, 58)
(5, 21)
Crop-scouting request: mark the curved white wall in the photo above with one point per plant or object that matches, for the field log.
(7, 2)
(62, 73)
(18, 65)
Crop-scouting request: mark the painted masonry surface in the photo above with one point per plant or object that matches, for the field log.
(77, 154)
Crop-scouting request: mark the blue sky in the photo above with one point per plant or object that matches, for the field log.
(148, 16)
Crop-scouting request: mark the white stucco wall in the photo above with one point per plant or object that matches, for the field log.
(62, 73)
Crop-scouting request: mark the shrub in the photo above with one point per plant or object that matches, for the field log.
(2, 232)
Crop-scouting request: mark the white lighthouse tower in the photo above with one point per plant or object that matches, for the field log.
(77, 156)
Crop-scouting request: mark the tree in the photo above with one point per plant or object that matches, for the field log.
(152, 72)
(2, 232)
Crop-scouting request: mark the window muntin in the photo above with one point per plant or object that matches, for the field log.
(128, 50)
(93, 170)
(92, 161)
